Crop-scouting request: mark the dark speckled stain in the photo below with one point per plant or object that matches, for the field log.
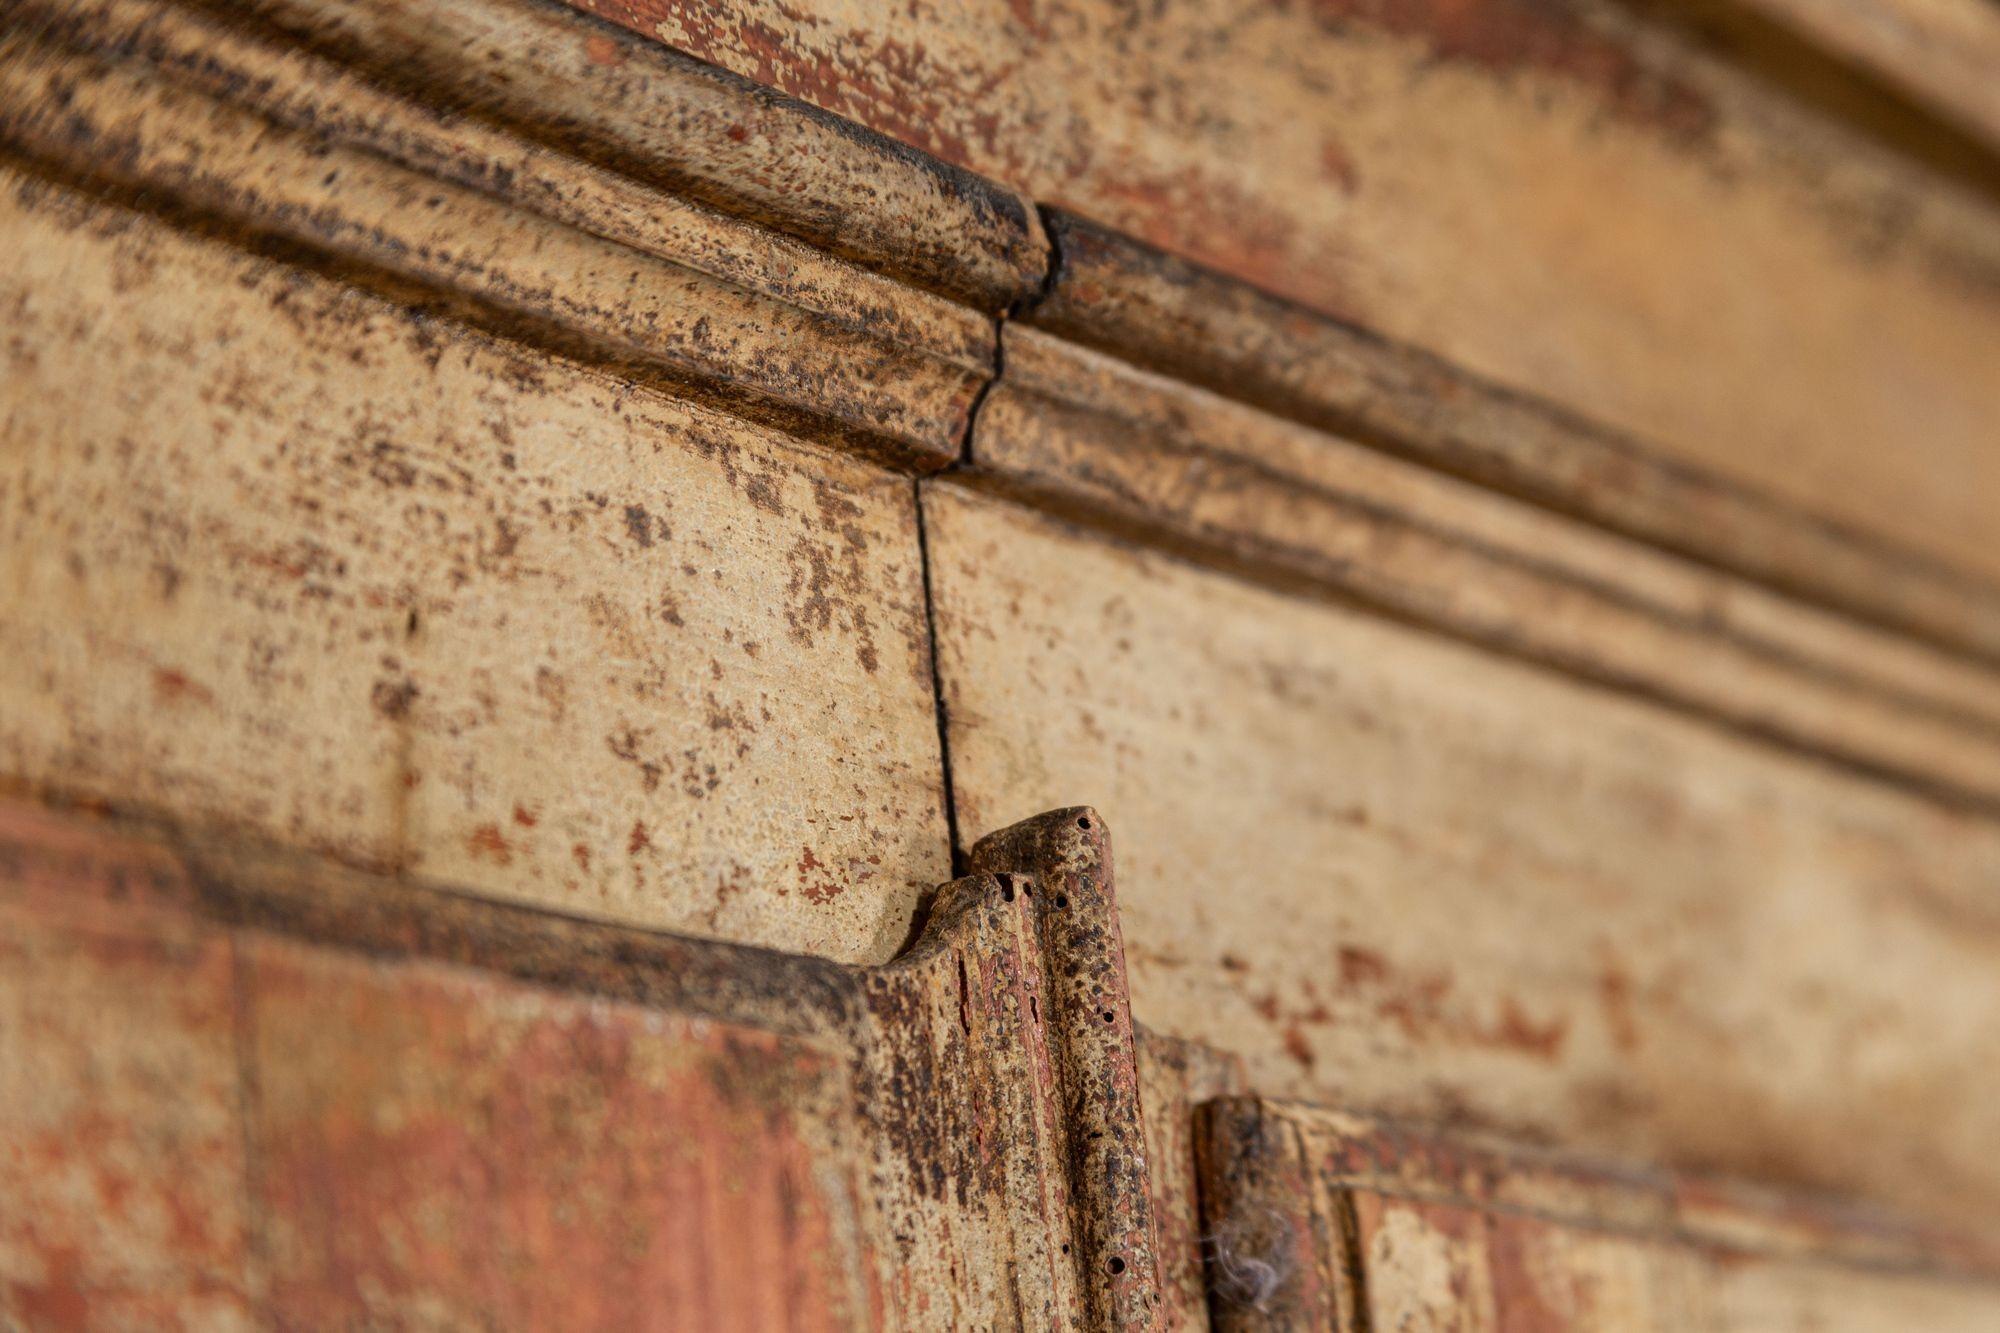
(827, 584)
(639, 525)
(1067, 853)
(624, 744)
(909, 1102)
(762, 491)
(393, 698)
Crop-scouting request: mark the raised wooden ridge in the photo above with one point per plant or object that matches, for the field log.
(1090, 436)
(564, 181)
(535, 191)
(692, 130)
(1587, 201)
(1174, 317)
(1364, 1152)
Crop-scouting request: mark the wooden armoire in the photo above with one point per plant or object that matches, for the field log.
(957, 664)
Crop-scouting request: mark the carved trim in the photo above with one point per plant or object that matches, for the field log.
(1089, 1017)
(1167, 315)
(692, 131)
(553, 188)
(1938, 55)
(1093, 437)
(559, 180)
(998, 1115)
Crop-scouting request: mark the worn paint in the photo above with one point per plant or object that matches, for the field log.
(554, 576)
(399, 569)
(413, 1101)
(121, 1161)
(409, 1103)
(1088, 1014)
(1140, 454)
(389, 192)
(1565, 198)
(428, 1141)
(1150, 314)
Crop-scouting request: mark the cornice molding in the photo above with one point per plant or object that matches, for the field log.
(556, 179)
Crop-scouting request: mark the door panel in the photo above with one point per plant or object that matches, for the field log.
(249, 1087)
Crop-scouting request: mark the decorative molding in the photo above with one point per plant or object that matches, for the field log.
(1167, 315)
(1007, 1116)
(560, 180)
(1938, 54)
(1068, 855)
(1092, 437)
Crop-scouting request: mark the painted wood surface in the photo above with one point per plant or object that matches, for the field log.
(1170, 464)
(208, 1128)
(1564, 198)
(298, 560)
(1540, 662)
(1326, 1220)
(248, 1088)
(1410, 877)
(264, 1090)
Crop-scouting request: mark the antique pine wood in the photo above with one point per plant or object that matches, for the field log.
(1329, 1220)
(275, 1090)
(1577, 202)
(529, 561)
(1403, 875)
